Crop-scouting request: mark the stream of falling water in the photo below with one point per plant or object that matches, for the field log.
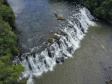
(70, 32)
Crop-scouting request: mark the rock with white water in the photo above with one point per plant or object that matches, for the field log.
(69, 40)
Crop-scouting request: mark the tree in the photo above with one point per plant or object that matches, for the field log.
(9, 73)
(101, 9)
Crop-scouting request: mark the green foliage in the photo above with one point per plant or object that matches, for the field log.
(2, 1)
(9, 73)
(7, 14)
(50, 40)
(7, 39)
(100, 8)
(55, 36)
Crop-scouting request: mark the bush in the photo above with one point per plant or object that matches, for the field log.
(7, 15)
(50, 40)
(101, 9)
(55, 36)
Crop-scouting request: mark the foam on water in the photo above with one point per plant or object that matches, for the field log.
(63, 47)
(30, 80)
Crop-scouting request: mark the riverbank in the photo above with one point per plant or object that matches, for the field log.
(9, 73)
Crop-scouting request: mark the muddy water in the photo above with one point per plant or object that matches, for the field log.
(91, 64)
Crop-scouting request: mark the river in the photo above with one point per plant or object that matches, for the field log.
(90, 64)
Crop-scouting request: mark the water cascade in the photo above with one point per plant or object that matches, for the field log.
(63, 46)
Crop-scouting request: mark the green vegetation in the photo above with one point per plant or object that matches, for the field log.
(50, 40)
(9, 73)
(101, 9)
(6, 13)
(55, 36)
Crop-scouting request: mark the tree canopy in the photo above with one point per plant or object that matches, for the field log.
(9, 73)
(101, 9)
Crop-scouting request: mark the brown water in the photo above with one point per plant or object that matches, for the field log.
(91, 64)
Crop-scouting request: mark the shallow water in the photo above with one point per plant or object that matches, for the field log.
(91, 64)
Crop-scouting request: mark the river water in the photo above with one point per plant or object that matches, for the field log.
(91, 64)
(36, 22)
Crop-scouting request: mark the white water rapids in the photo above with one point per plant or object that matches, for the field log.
(68, 41)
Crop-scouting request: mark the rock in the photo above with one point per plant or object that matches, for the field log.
(33, 54)
(59, 60)
(59, 17)
(70, 26)
(65, 55)
(110, 67)
(62, 59)
(30, 67)
(56, 14)
(83, 30)
(58, 42)
(63, 33)
(49, 54)
(110, 79)
(45, 62)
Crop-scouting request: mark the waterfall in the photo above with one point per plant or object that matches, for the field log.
(67, 41)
